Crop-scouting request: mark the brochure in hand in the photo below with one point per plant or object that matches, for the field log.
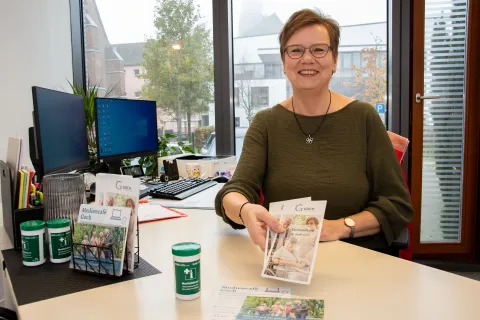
(102, 233)
(274, 308)
(290, 256)
(121, 191)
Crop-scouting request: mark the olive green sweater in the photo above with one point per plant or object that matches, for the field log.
(351, 164)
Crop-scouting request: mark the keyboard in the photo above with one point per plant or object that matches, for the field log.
(146, 188)
(181, 189)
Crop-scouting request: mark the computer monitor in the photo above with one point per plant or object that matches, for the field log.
(125, 129)
(58, 140)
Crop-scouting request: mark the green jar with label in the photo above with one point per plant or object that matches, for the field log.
(59, 240)
(186, 260)
(33, 242)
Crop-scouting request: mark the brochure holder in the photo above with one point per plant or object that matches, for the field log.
(93, 264)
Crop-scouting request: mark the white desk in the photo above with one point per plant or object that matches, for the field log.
(356, 283)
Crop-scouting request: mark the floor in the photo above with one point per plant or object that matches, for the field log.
(469, 270)
(471, 275)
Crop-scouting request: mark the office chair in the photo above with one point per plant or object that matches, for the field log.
(401, 245)
(7, 314)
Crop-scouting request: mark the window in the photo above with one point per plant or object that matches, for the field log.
(237, 122)
(116, 54)
(273, 71)
(255, 43)
(236, 98)
(259, 96)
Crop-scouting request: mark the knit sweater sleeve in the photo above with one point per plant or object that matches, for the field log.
(389, 196)
(250, 170)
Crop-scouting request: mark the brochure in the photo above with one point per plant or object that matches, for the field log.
(102, 233)
(290, 256)
(271, 308)
(229, 299)
(121, 191)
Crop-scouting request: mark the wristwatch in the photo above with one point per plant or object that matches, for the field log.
(349, 222)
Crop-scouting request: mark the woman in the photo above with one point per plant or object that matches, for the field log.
(290, 264)
(101, 240)
(94, 242)
(276, 309)
(307, 243)
(287, 313)
(318, 143)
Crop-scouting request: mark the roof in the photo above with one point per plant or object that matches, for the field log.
(269, 25)
(131, 53)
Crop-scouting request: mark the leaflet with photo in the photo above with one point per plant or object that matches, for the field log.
(121, 191)
(229, 299)
(99, 239)
(290, 256)
(271, 308)
(277, 209)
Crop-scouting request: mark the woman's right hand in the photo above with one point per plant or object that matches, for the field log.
(256, 219)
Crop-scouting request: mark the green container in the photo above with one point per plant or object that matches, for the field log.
(33, 242)
(186, 260)
(59, 240)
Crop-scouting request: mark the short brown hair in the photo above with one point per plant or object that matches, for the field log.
(315, 220)
(305, 18)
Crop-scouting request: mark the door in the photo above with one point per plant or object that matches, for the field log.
(444, 125)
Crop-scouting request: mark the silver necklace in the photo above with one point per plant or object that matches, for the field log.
(309, 139)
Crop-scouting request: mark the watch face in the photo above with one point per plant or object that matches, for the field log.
(349, 222)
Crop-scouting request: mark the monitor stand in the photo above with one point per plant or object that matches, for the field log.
(114, 166)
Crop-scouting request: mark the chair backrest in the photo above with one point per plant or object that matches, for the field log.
(400, 145)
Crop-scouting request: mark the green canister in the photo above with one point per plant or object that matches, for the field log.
(186, 259)
(33, 242)
(59, 240)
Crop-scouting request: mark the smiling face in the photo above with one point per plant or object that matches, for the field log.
(309, 72)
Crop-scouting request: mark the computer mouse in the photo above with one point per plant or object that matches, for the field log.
(220, 179)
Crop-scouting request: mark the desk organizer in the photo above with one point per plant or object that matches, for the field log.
(12, 218)
(21, 215)
(101, 266)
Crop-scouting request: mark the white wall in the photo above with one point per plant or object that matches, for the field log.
(36, 50)
(132, 82)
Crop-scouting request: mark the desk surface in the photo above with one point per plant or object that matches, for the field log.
(356, 283)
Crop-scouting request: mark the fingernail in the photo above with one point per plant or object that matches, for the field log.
(281, 229)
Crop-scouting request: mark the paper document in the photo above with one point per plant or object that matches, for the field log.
(290, 256)
(269, 308)
(229, 299)
(150, 212)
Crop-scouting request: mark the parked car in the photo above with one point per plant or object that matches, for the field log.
(210, 146)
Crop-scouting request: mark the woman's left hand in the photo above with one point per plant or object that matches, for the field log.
(333, 230)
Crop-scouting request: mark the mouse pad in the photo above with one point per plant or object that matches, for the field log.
(58, 279)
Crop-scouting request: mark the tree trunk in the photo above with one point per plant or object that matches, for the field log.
(179, 125)
(189, 124)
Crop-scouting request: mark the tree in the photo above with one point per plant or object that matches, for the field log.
(371, 76)
(245, 99)
(181, 80)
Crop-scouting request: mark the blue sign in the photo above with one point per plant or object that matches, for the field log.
(380, 107)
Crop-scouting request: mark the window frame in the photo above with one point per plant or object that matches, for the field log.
(398, 58)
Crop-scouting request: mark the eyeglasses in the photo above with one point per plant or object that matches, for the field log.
(296, 51)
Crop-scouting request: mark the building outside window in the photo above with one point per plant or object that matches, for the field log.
(146, 59)
(256, 26)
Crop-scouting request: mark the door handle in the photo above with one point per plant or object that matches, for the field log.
(419, 97)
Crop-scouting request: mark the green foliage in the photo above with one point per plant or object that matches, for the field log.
(89, 96)
(87, 229)
(202, 134)
(180, 81)
(150, 163)
(316, 311)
